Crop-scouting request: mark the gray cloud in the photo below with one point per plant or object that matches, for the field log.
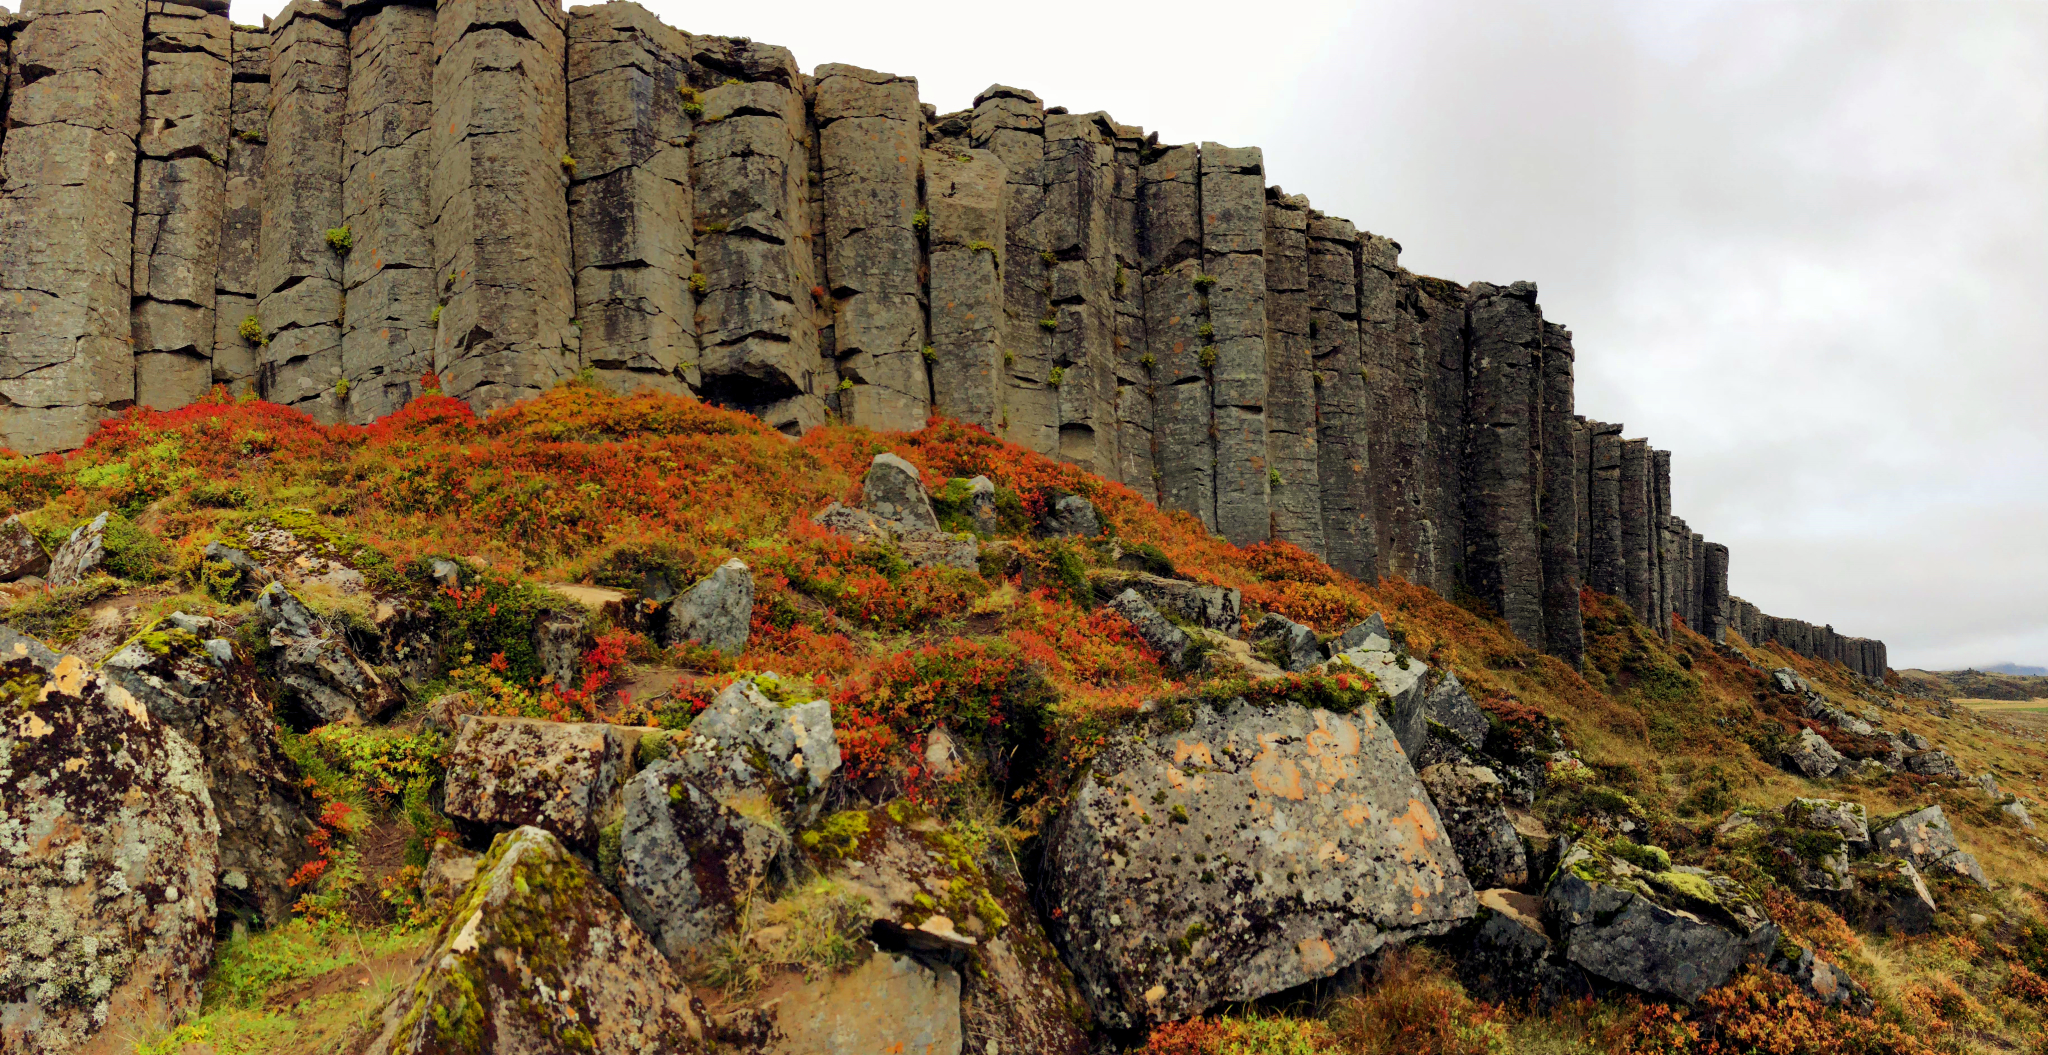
(1803, 246)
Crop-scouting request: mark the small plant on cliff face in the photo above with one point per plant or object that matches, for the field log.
(434, 317)
(569, 164)
(339, 239)
(1148, 360)
(921, 219)
(730, 80)
(1009, 357)
(931, 355)
(252, 331)
(1205, 331)
(846, 384)
(1057, 377)
(1208, 357)
(341, 387)
(1119, 278)
(694, 108)
(1049, 323)
(1205, 282)
(697, 283)
(1273, 477)
(1048, 258)
(981, 247)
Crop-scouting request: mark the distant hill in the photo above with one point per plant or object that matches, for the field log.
(2007, 681)
(2016, 668)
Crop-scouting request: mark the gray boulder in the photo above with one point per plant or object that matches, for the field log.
(202, 690)
(1899, 899)
(315, 665)
(981, 504)
(81, 555)
(21, 553)
(108, 851)
(450, 869)
(534, 944)
(1510, 956)
(919, 547)
(1810, 755)
(1846, 819)
(891, 490)
(689, 856)
(559, 639)
(1295, 647)
(1071, 516)
(717, 612)
(563, 777)
(1674, 932)
(2018, 812)
(1469, 800)
(1172, 643)
(248, 574)
(1211, 607)
(1787, 681)
(891, 1003)
(748, 739)
(1935, 763)
(1248, 852)
(1924, 838)
(1405, 680)
(1371, 636)
(15, 645)
(1457, 729)
(1915, 742)
(1821, 980)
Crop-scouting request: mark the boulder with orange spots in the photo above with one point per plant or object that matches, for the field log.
(1245, 852)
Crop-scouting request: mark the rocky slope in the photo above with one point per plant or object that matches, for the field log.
(633, 724)
(324, 209)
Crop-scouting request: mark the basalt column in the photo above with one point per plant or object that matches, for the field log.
(1715, 599)
(1558, 499)
(1134, 390)
(237, 328)
(1290, 376)
(387, 330)
(1663, 546)
(750, 173)
(1080, 188)
(180, 179)
(1396, 378)
(964, 195)
(499, 194)
(1436, 309)
(1234, 352)
(299, 268)
(1170, 239)
(871, 154)
(630, 210)
(1637, 534)
(1342, 418)
(1696, 585)
(1503, 562)
(1609, 567)
(1010, 123)
(67, 221)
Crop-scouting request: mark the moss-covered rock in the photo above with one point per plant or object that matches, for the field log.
(561, 776)
(538, 957)
(1629, 916)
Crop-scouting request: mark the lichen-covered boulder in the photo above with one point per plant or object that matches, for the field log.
(1371, 636)
(199, 687)
(891, 1003)
(1664, 930)
(1787, 681)
(1250, 851)
(108, 850)
(1071, 517)
(82, 554)
(15, 645)
(690, 854)
(318, 670)
(919, 547)
(1896, 897)
(538, 957)
(559, 639)
(1405, 680)
(981, 505)
(21, 553)
(1820, 979)
(1935, 763)
(1292, 646)
(750, 738)
(1846, 819)
(1812, 756)
(892, 490)
(563, 777)
(1510, 957)
(449, 871)
(1193, 603)
(718, 612)
(1925, 838)
(1469, 800)
(1172, 643)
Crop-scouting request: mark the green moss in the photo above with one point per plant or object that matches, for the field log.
(838, 835)
(1647, 858)
(1689, 886)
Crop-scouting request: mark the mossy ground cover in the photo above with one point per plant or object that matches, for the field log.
(580, 486)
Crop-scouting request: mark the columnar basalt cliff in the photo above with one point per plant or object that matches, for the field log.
(325, 210)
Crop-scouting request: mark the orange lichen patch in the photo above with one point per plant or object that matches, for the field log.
(1199, 752)
(1316, 955)
(1275, 774)
(1356, 814)
(1420, 829)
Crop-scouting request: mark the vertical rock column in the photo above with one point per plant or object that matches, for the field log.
(180, 180)
(1134, 391)
(1435, 309)
(1582, 493)
(1010, 123)
(236, 353)
(1558, 500)
(964, 196)
(871, 149)
(750, 175)
(1079, 176)
(630, 209)
(1696, 579)
(1170, 239)
(1296, 496)
(1609, 569)
(1503, 562)
(1234, 260)
(1637, 534)
(299, 270)
(67, 220)
(1343, 464)
(501, 215)
(1397, 389)
(1663, 546)
(1714, 601)
(387, 330)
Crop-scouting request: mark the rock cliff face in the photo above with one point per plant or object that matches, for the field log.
(325, 210)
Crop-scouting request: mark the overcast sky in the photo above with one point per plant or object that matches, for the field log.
(1803, 246)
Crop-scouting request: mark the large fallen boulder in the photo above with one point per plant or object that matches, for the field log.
(1176, 649)
(1193, 603)
(318, 670)
(717, 613)
(1469, 799)
(1810, 755)
(108, 850)
(893, 490)
(1405, 680)
(1070, 516)
(563, 777)
(1246, 852)
(689, 856)
(1290, 645)
(753, 736)
(1509, 955)
(1663, 930)
(1925, 838)
(891, 1003)
(896, 512)
(191, 679)
(538, 957)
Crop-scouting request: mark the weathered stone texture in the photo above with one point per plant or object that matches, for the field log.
(964, 196)
(501, 220)
(1170, 233)
(1079, 181)
(236, 358)
(1558, 499)
(387, 339)
(1343, 463)
(1233, 259)
(1636, 526)
(1010, 123)
(1397, 385)
(1295, 494)
(67, 220)
(870, 150)
(1134, 388)
(299, 273)
(1714, 597)
(1608, 569)
(630, 201)
(1503, 559)
(180, 181)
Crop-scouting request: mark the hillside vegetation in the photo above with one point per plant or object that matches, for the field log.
(1654, 742)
